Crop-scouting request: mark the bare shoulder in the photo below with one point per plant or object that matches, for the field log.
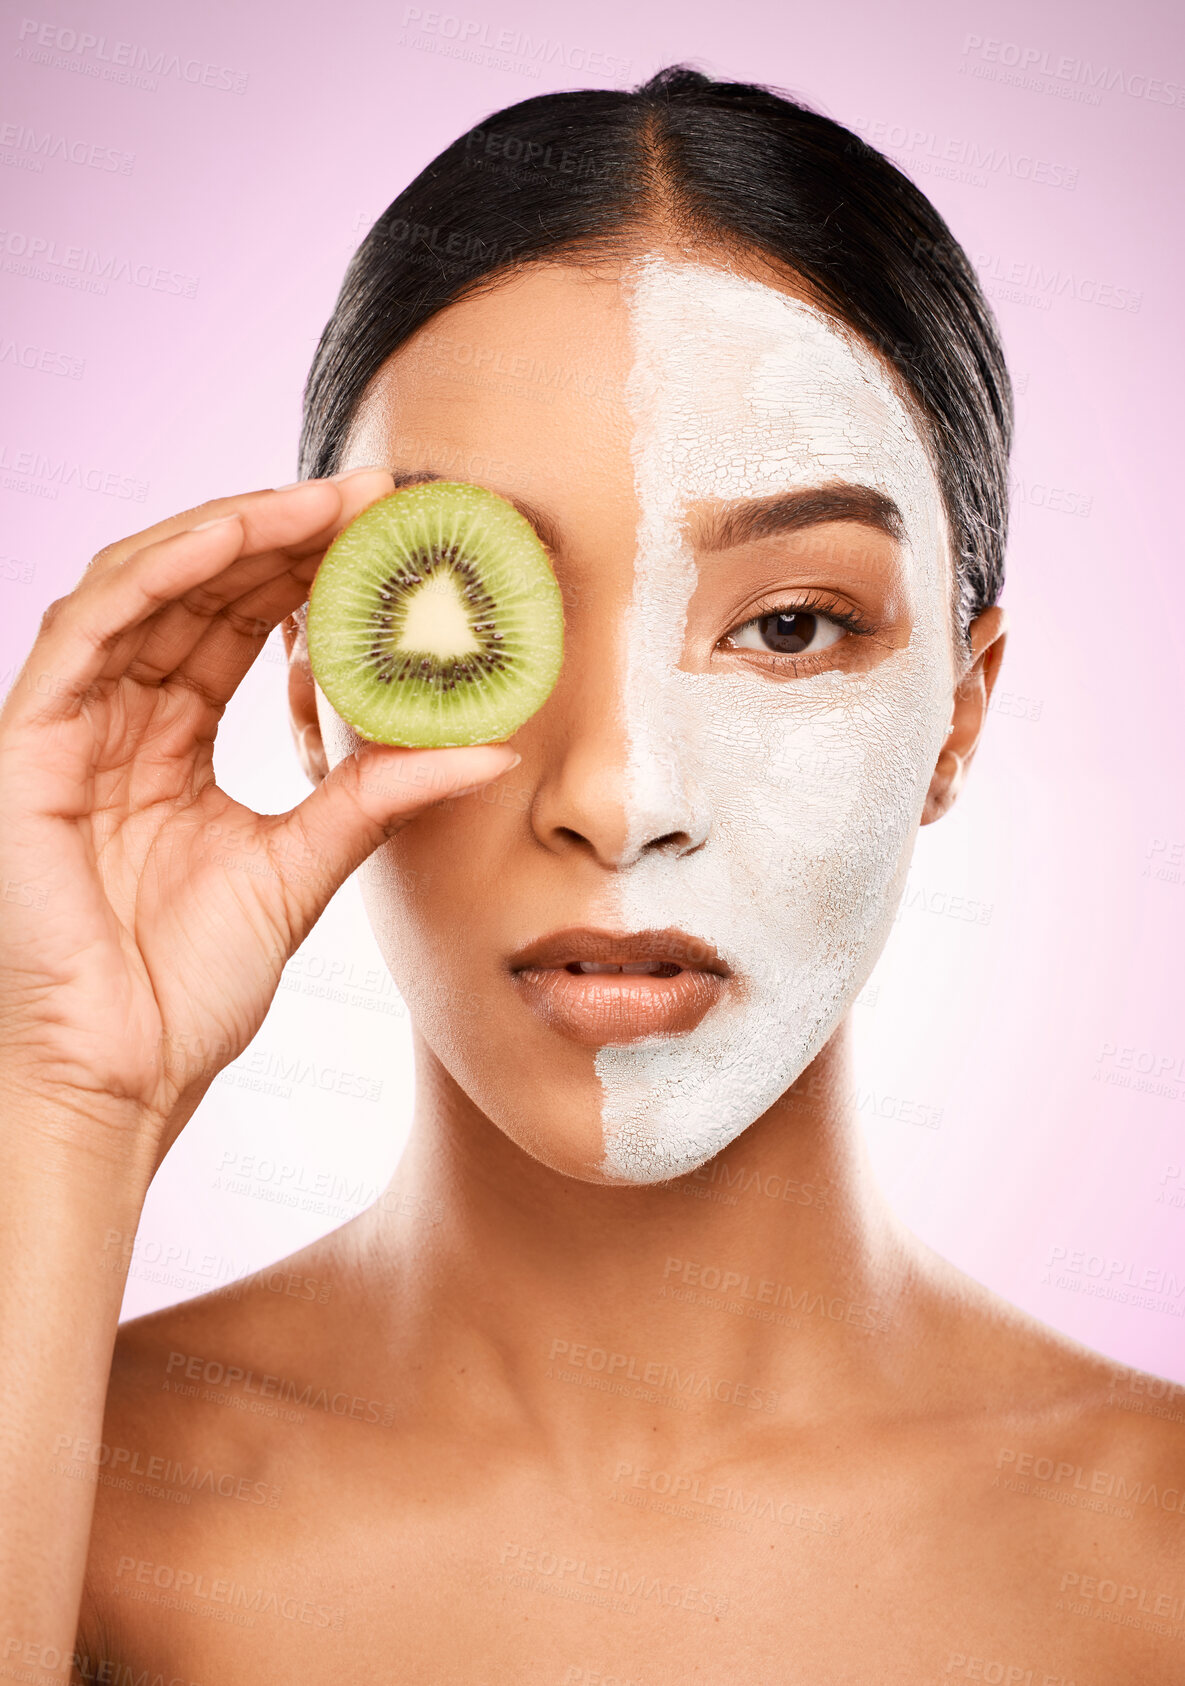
(1054, 1481)
(1038, 1380)
(1092, 1446)
(215, 1409)
(221, 1366)
(1106, 1438)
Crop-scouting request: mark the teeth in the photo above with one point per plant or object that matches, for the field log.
(637, 968)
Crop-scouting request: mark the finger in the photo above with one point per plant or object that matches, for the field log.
(184, 624)
(84, 639)
(351, 489)
(94, 633)
(361, 803)
(219, 661)
(211, 652)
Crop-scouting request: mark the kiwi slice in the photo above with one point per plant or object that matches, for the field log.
(435, 618)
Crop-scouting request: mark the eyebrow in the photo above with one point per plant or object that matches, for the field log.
(727, 525)
(544, 527)
(723, 526)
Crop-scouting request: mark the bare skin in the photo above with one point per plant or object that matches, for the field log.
(520, 1432)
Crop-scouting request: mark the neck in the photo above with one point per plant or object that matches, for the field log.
(771, 1276)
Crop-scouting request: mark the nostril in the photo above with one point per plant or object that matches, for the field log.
(573, 838)
(672, 843)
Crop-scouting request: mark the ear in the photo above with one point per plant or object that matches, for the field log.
(972, 695)
(302, 701)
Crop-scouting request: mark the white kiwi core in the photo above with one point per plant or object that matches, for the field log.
(436, 620)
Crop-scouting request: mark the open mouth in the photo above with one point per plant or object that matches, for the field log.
(600, 987)
(632, 968)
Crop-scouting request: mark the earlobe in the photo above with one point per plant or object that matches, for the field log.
(972, 696)
(945, 785)
(302, 704)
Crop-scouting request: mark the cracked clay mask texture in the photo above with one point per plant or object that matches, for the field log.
(802, 794)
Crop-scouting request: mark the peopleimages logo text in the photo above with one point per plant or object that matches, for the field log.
(82, 46)
(541, 49)
(1028, 61)
(36, 250)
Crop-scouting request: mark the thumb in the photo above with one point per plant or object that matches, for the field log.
(359, 804)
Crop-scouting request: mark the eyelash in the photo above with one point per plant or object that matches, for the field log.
(810, 603)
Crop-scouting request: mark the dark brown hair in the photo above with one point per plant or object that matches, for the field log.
(727, 163)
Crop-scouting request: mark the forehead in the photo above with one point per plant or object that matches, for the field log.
(752, 390)
(529, 372)
(553, 375)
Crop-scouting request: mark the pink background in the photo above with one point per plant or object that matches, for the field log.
(1021, 1045)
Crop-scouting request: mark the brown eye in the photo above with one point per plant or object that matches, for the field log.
(788, 632)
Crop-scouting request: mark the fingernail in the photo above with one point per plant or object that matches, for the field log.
(370, 468)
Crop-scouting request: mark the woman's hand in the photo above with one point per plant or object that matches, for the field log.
(146, 915)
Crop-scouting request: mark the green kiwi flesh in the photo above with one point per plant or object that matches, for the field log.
(435, 618)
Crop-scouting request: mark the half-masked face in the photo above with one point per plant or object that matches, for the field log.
(802, 785)
(758, 679)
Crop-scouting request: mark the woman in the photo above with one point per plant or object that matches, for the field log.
(548, 1417)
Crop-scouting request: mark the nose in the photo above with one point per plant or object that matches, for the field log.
(619, 790)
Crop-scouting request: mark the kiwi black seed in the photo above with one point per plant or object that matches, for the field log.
(435, 618)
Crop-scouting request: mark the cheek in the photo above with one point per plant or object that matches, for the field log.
(777, 768)
(807, 795)
(449, 863)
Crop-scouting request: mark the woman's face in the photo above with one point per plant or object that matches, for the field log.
(758, 679)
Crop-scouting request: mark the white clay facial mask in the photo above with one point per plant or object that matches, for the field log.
(801, 795)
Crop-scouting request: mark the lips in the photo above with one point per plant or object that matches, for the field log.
(601, 987)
